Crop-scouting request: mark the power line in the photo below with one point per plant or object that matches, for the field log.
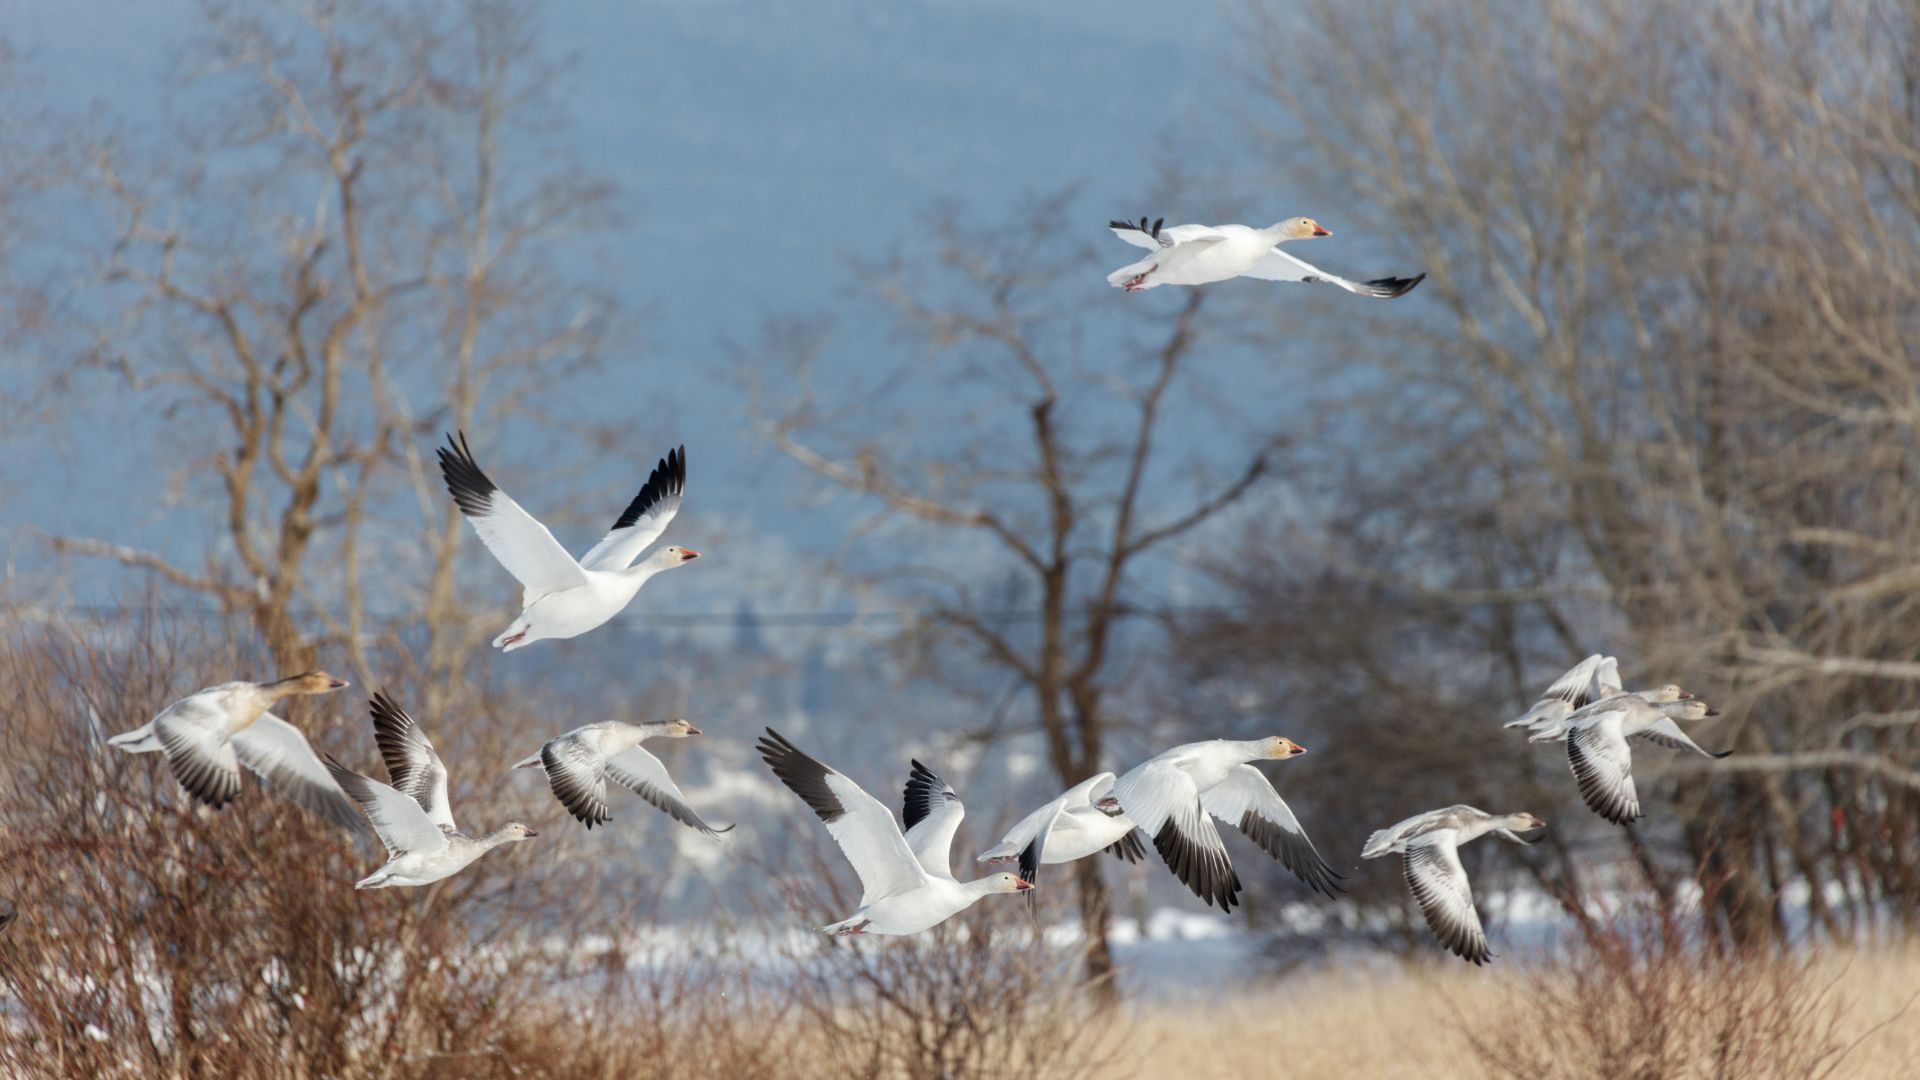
(701, 619)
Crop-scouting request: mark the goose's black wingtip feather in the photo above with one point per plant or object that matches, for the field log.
(803, 775)
(1387, 288)
(1030, 859)
(668, 480)
(471, 489)
(924, 788)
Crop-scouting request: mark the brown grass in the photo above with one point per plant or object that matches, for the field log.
(1420, 1021)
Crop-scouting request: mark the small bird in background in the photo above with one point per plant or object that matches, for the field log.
(1203, 254)
(562, 598)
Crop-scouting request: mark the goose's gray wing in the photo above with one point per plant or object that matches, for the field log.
(279, 754)
(1439, 884)
(412, 765)
(645, 776)
(577, 773)
(1665, 732)
(200, 754)
(1603, 766)
(1247, 801)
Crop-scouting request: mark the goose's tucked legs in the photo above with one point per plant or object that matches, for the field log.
(1138, 281)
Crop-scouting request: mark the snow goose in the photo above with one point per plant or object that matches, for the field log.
(562, 598)
(207, 735)
(1084, 819)
(1430, 843)
(900, 894)
(1602, 761)
(1174, 797)
(579, 764)
(1201, 254)
(1593, 679)
(411, 813)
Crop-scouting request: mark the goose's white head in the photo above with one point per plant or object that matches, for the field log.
(678, 728)
(1005, 882)
(515, 832)
(1669, 692)
(1690, 709)
(1524, 820)
(667, 558)
(1299, 228)
(312, 682)
(1279, 746)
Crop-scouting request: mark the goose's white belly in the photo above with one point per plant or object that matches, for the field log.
(922, 909)
(572, 612)
(1086, 836)
(426, 868)
(1214, 262)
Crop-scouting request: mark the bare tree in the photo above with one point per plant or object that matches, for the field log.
(1657, 398)
(1062, 463)
(352, 241)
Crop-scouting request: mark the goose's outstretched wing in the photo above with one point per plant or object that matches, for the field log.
(645, 518)
(1247, 801)
(281, 757)
(1603, 765)
(413, 768)
(932, 812)
(1277, 265)
(863, 828)
(516, 538)
(397, 819)
(1153, 236)
(1665, 732)
(646, 776)
(1439, 883)
(1162, 800)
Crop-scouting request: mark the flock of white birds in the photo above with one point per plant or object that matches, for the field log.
(907, 882)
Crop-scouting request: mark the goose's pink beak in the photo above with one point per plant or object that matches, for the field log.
(337, 684)
(1022, 884)
(1320, 231)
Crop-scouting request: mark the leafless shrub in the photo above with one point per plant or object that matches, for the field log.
(1645, 995)
(982, 995)
(158, 938)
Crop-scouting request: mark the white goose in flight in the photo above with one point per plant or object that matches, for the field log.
(209, 734)
(562, 598)
(905, 888)
(1174, 798)
(1082, 820)
(1202, 254)
(1430, 843)
(1601, 758)
(411, 814)
(1590, 680)
(579, 764)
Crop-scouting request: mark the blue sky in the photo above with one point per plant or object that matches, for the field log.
(759, 147)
